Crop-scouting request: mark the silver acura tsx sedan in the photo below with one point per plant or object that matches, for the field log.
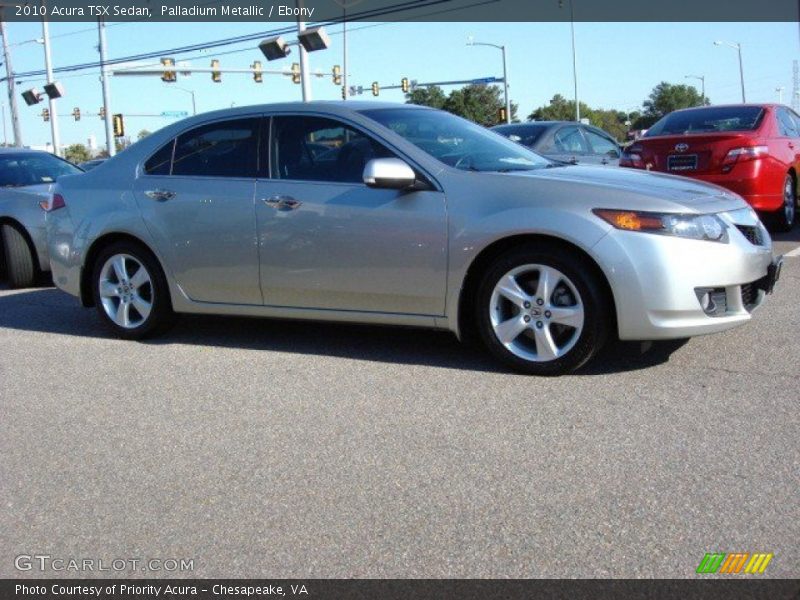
(402, 215)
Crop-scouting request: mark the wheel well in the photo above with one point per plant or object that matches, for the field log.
(466, 324)
(21, 228)
(87, 298)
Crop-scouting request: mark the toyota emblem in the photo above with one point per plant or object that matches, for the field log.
(681, 147)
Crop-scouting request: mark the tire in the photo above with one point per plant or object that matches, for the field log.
(783, 219)
(130, 291)
(549, 332)
(19, 261)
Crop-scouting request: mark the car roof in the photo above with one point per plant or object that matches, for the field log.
(330, 106)
(16, 150)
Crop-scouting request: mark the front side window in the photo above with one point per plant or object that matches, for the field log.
(19, 169)
(319, 149)
(223, 149)
(457, 142)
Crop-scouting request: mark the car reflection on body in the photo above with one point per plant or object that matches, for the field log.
(412, 216)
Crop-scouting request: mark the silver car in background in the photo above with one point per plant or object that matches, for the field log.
(26, 181)
(403, 215)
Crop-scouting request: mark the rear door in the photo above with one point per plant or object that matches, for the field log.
(196, 197)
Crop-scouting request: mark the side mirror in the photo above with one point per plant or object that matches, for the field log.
(389, 173)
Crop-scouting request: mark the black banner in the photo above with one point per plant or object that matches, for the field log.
(391, 589)
(332, 11)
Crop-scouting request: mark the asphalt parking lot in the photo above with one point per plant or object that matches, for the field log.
(275, 449)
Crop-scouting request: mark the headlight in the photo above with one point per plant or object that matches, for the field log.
(696, 227)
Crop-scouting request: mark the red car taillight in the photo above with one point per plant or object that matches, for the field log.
(743, 153)
(56, 202)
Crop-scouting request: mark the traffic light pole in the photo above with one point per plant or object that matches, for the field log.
(12, 94)
(104, 75)
(305, 74)
(51, 101)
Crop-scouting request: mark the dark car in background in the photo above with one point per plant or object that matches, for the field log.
(565, 141)
(91, 164)
(751, 149)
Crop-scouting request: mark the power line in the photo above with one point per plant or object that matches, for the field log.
(368, 14)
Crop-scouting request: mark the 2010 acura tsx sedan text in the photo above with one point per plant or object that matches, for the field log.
(403, 215)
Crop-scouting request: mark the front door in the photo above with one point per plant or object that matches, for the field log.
(328, 241)
(198, 206)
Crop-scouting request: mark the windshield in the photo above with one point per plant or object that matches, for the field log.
(456, 141)
(708, 120)
(21, 169)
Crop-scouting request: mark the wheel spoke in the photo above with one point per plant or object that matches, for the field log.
(108, 290)
(140, 278)
(548, 280)
(142, 306)
(509, 330)
(119, 269)
(546, 347)
(509, 289)
(123, 315)
(567, 315)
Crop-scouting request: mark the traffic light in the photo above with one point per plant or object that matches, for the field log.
(102, 113)
(257, 76)
(119, 126)
(169, 74)
(295, 72)
(337, 75)
(76, 113)
(376, 89)
(404, 85)
(502, 115)
(46, 114)
(216, 76)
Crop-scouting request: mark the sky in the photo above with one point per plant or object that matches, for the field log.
(618, 64)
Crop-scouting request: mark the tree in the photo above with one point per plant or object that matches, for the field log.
(478, 103)
(667, 97)
(77, 153)
(432, 96)
(142, 134)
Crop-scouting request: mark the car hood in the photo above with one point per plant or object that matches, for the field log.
(629, 188)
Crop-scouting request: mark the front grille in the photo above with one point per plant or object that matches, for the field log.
(682, 162)
(753, 234)
(750, 292)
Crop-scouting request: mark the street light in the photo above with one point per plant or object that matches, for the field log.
(308, 40)
(574, 57)
(702, 79)
(738, 48)
(502, 49)
(194, 106)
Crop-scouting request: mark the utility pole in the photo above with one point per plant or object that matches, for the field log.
(49, 69)
(574, 62)
(110, 145)
(305, 74)
(344, 52)
(12, 95)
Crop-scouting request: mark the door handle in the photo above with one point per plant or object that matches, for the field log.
(282, 202)
(160, 195)
(791, 145)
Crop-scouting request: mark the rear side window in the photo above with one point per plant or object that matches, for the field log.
(224, 149)
(787, 124)
(570, 140)
(708, 120)
(601, 144)
(161, 161)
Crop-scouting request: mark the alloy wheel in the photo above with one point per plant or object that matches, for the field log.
(126, 291)
(536, 312)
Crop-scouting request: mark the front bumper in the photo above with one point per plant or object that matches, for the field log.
(655, 278)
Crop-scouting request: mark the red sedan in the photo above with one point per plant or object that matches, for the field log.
(751, 149)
